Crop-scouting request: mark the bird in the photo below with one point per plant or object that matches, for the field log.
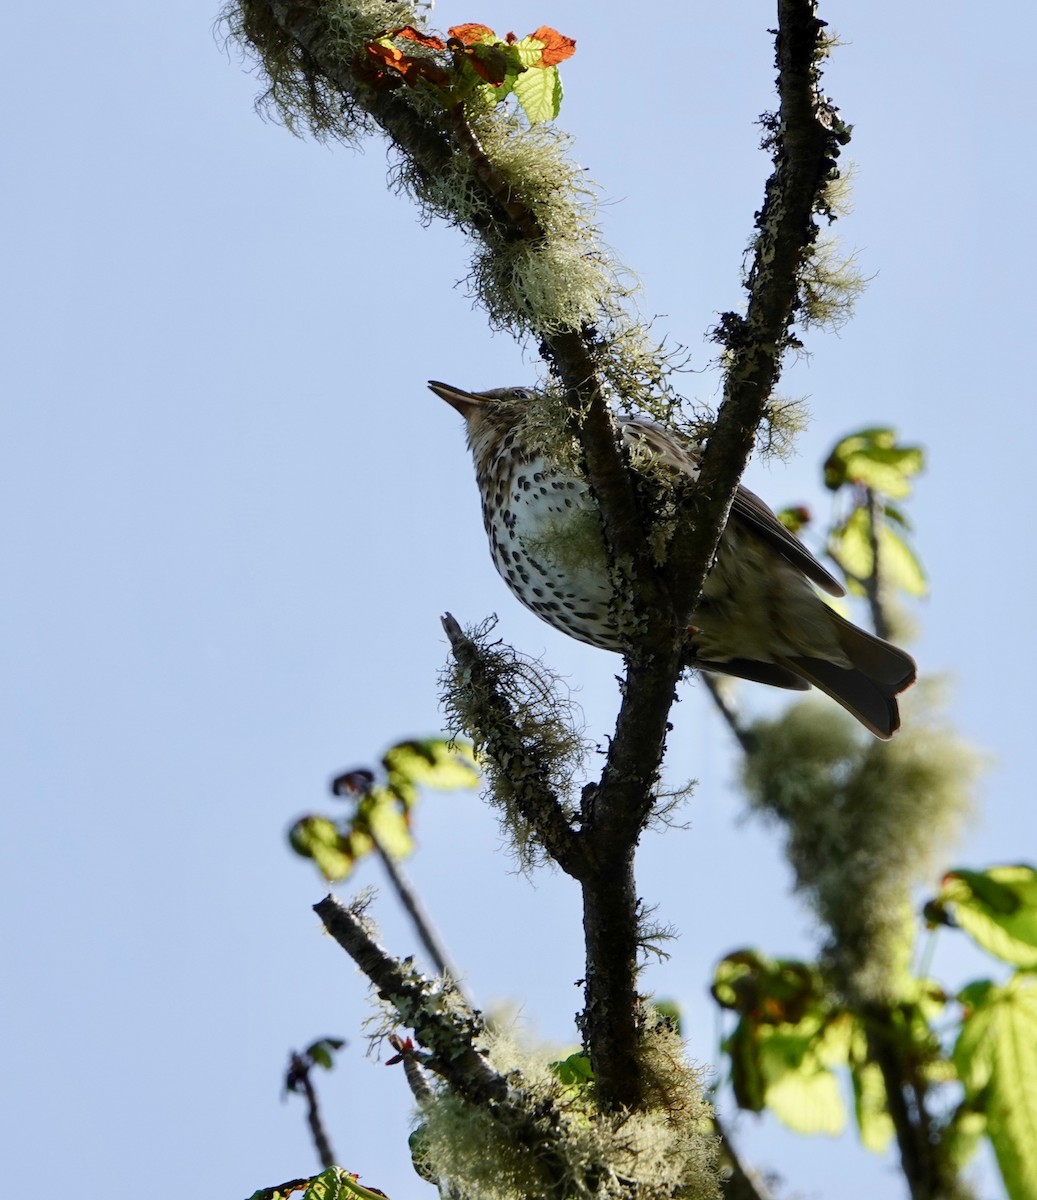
(759, 617)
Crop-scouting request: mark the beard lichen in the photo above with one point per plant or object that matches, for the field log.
(666, 1151)
(526, 731)
(865, 822)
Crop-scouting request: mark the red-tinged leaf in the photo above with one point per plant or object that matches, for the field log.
(387, 56)
(470, 34)
(415, 35)
(411, 69)
(489, 63)
(557, 47)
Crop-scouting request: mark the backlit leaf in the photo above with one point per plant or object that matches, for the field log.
(996, 1057)
(540, 94)
(898, 564)
(320, 839)
(799, 1086)
(389, 825)
(998, 908)
(432, 762)
(873, 458)
(557, 47)
(869, 1096)
(472, 33)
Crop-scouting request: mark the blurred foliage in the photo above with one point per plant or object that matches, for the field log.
(874, 469)
(333, 1184)
(382, 804)
(974, 1052)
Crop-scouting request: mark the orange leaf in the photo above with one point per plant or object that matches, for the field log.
(388, 56)
(471, 33)
(557, 47)
(412, 69)
(415, 35)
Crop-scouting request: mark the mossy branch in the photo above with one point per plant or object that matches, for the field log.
(556, 1156)
(479, 697)
(806, 136)
(437, 1013)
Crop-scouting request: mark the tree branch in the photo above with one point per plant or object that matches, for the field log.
(448, 1029)
(440, 1017)
(806, 136)
(504, 743)
(928, 1176)
(656, 603)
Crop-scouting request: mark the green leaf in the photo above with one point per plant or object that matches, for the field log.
(786, 1042)
(320, 839)
(539, 92)
(530, 50)
(338, 1184)
(430, 762)
(774, 991)
(869, 1095)
(799, 1086)
(850, 545)
(387, 824)
(964, 1132)
(996, 1057)
(322, 1052)
(897, 516)
(997, 908)
(899, 564)
(873, 458)
(574, 1071)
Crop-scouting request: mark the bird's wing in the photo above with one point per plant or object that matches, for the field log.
(751, 511)
(747, 508)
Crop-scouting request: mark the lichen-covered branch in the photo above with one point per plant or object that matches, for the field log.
(441, 1019)
(805, 138)
(524, 750)
(522, 1135)
(806, 135)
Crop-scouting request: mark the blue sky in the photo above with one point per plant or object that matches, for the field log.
(233, 515)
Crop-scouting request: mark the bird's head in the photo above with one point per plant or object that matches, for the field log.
(488, 415)
(477, 407)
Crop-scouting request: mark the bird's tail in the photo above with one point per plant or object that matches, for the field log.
(868, 688)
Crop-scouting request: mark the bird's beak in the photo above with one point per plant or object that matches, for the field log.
(466, 403)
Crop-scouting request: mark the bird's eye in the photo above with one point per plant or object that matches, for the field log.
(521, 394)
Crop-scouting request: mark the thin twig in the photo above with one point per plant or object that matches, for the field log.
(408, 898)
(873, 583)
(739, 1184)
(299, 1075)
(745, 737)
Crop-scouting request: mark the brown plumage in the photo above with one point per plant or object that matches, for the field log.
(759, 616)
